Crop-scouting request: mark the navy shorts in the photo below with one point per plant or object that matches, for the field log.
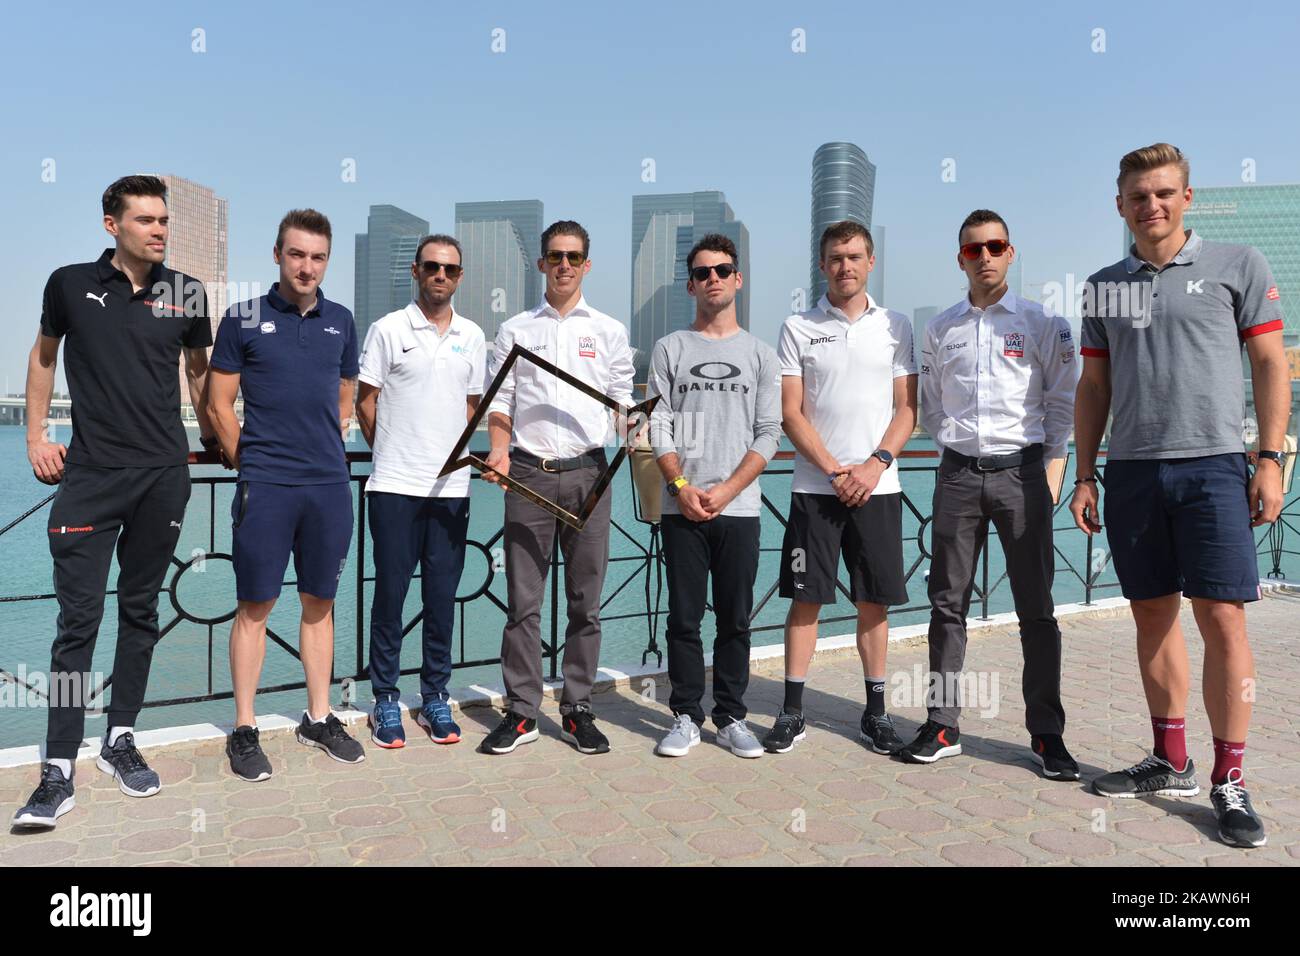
(270, 522)
(1181, 524)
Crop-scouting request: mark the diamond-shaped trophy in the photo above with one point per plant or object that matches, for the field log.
(460, 457)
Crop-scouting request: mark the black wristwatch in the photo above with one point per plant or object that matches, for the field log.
(1275, 456)
(210, 442)
(884, 456)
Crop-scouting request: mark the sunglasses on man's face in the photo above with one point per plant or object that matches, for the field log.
(724, 270)
(554, 257)
(996, 247)
(431, 268)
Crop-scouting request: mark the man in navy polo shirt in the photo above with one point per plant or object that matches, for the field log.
(1163, 331)
(294, 354)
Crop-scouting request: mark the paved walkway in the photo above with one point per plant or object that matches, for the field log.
(829, 801)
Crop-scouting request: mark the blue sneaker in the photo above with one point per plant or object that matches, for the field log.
(386, 728)
(435, 718)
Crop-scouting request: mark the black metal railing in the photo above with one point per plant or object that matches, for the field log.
(643, 566)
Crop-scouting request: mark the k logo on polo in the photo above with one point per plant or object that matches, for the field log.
(1194, 287)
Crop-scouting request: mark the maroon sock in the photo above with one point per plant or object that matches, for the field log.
(1227, 757)
(1171, 743)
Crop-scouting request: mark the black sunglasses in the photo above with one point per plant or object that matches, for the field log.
(725, 270)
(431, 268)
(554, 257)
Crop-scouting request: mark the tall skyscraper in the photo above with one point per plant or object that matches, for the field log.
(384, 253)
(876, 280)
(502, 243)
(843, 187)
(664, 228)
(1016, 276)
(196, 245)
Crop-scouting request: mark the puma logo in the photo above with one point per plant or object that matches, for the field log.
(175, 524)
(98, 298)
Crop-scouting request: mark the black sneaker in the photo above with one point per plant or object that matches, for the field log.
(880, 733)
(1149, 777)
(51, 799)
(330, 737)
(1049, 750)
(933, 742)
(125, 764)
(246, 758)
(1239, 824)
(785, 733)
(578, 727)
(514, 729)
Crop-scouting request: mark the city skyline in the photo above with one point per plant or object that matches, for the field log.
(932, 148)
(501, 241)
(843, 187)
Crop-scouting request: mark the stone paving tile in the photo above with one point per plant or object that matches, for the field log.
(831, 801)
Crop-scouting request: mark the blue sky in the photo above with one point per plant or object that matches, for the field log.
(583, 93)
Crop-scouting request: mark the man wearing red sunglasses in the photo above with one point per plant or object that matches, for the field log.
(997, 394)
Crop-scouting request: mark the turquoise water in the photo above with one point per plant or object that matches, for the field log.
(181, 663)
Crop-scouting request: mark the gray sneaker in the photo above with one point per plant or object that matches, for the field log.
(739, 739)
(124, 764)
(683, 736)
(51, 800)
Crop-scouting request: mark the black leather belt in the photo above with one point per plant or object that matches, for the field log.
(1026, 456)
(591, 459)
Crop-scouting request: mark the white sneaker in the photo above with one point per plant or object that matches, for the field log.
(740, 740)
(683, 736)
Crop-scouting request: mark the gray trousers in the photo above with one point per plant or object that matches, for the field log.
(1019, 503)
(529, 535)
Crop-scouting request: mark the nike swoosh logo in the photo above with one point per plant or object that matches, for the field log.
(413, 347)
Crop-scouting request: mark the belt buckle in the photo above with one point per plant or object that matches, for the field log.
(979, 464)
(546, 467)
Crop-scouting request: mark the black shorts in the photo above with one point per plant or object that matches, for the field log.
(870, 537)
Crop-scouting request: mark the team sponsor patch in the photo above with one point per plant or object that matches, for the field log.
(1013, 344)
(925, 370)
(268, 327)
(587, 346)
(1067, 356)
(1065, 335)
(822, 340)
(1272, 293)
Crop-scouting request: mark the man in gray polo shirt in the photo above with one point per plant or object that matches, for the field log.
(1162, 336)
(715, 429)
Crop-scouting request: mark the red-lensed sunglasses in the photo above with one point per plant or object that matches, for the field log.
(971, 250)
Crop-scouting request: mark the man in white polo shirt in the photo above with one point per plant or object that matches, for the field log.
(848, 397)
(421, 377)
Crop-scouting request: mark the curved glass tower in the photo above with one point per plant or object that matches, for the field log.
(843, 184)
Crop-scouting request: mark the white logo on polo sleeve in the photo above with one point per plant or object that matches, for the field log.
(332, 331)
(268, 327)
(1194, 287)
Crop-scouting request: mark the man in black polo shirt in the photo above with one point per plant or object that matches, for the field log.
(123, 481)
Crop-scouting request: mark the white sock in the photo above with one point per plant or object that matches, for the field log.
(312, 720)
(63, 765)
(116, 732)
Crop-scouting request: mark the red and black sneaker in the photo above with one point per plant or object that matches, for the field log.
(933, 741)
(1049, 750)
(514, 729)
(578, 727)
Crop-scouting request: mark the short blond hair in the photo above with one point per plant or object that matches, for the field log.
(1153, 157)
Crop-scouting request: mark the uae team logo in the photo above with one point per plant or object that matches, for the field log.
(1013, 344)
(587, 346)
